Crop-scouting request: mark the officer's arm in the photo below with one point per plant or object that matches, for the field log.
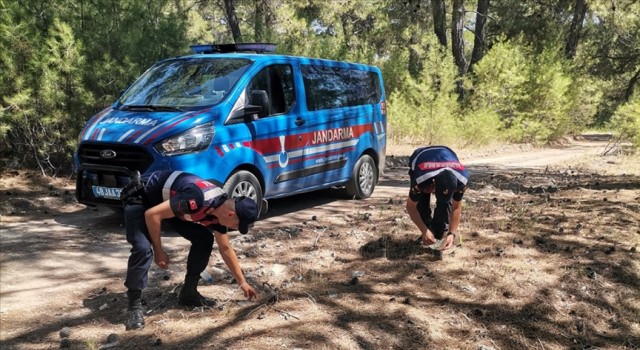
(153, 217)
(412, 210)
(231, 259)
(456, 213)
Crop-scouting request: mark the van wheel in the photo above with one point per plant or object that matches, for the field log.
(363, 178)
(244, 183)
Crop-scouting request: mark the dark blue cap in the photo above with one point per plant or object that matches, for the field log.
(247, 211)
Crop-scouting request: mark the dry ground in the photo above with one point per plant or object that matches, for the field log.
(546, 259)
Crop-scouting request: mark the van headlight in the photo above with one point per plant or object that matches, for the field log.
(192, 140)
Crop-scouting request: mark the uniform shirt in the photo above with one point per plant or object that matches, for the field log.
(189, 196)
(425, 164)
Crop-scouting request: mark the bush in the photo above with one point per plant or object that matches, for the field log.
(425, 109)
(625, 122)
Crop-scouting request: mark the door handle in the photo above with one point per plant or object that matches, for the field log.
(299, 121)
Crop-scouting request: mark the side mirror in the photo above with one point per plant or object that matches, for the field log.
(261, 99)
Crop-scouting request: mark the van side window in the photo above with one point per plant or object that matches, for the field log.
(277, 82)
(334, 87)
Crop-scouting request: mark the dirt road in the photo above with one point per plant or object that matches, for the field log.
(62, 265)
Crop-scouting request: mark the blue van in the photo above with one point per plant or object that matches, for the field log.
(255, 123)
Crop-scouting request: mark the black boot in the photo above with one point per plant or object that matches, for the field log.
(189, 295)
(136, 314)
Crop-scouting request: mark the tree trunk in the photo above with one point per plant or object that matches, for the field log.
(631, 86)
(457, 42)
(264, 21)
(579, 11)
(439, 21)
(232, 19)
(478, 43)
(259, 21)
(415, 62)
(457, 39)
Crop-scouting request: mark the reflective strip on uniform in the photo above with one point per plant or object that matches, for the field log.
(166, 189)
(427, 176)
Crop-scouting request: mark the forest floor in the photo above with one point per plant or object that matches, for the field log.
(546, 258)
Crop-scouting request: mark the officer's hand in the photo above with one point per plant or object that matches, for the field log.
(449, 240)
(161, 259)
(248, 291)
(428, 238)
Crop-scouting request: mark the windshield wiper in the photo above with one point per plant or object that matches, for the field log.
(150, 108)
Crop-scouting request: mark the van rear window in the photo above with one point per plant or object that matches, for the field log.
(334, 87)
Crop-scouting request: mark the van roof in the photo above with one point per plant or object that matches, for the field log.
(262, 52)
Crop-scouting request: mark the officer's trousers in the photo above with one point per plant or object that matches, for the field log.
(141, 255)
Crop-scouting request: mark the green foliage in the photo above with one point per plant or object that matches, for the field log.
(62, 61)
(625, 122)
(426, 109)
(41, 124)
(536, 95)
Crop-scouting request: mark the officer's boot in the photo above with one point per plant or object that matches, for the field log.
(136, 314)
(189, 295)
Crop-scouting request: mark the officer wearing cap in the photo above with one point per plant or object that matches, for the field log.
(436, 170)
(197, 210)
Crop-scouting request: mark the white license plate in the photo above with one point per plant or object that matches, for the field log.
(106, 192)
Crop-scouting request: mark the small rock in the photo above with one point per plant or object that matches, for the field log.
(314, 218)
(65, 332)
(478, 312)
(357, 274)
(112, 338)
(484, 347)
(633, 249)
(353, 281)
(157, 342)
(407, 301)
(65, 343)
(610, 250)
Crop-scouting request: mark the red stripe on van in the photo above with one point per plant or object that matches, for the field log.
(297, 141)
(133, 136)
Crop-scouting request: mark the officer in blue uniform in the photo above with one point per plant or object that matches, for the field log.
(197, 210)
(436, 170)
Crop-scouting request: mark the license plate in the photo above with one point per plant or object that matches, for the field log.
(106, 192)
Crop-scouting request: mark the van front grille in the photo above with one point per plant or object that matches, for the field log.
(132, 157)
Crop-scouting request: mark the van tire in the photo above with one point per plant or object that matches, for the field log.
(364, 178)
(244, 183)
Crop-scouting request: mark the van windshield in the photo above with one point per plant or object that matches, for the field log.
(184, 84)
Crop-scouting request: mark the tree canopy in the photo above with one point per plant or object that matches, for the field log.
(465, 71)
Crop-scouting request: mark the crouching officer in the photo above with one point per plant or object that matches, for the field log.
(436, 170)
(194, 208)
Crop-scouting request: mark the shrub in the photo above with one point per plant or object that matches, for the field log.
(625, 122)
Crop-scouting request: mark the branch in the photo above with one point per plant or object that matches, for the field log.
(481, 14)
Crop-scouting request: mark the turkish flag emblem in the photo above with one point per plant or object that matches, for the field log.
(192, 204)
